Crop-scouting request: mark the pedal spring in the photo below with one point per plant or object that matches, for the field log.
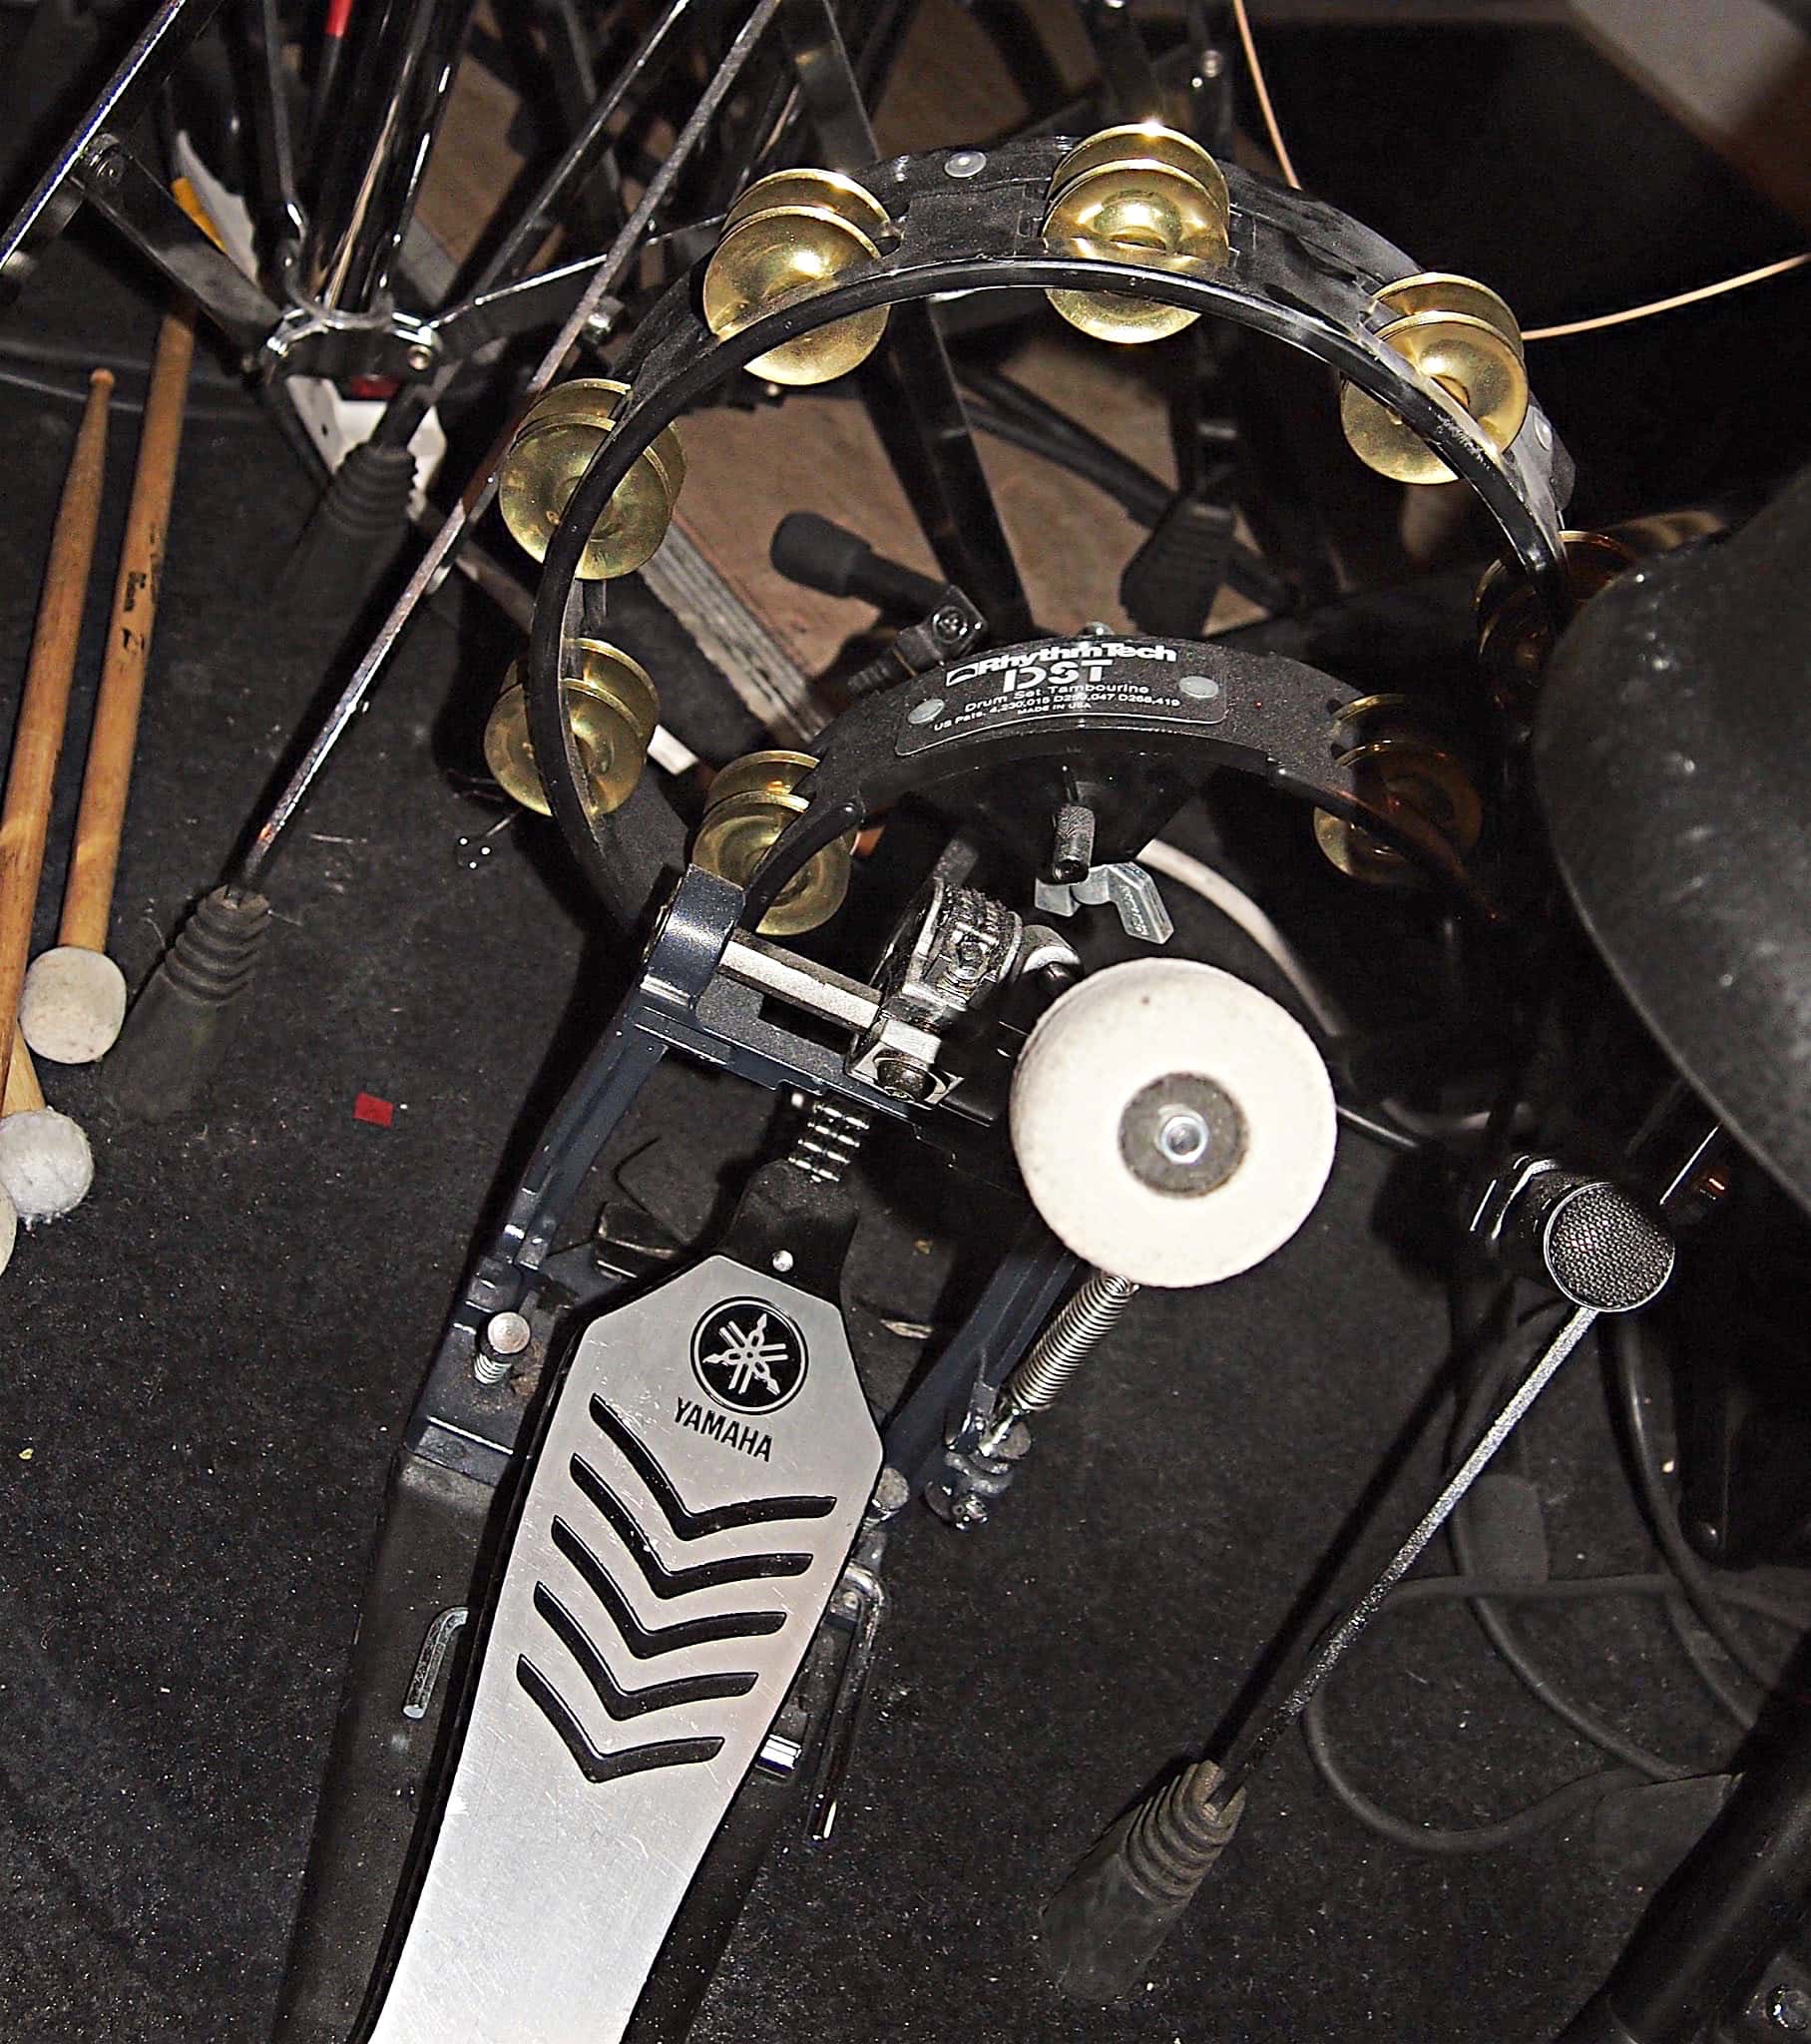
(1059, 1352)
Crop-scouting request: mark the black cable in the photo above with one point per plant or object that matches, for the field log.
(1128, 485)
(51, 355)
(1576, 1795)
(1027, 423)
(198, 414)
(1006, 410)
(1397, 1141)
(1492, 1385)
(1490, 1377)
(1458, 1840)
(1695, 1646)
(1044, 428)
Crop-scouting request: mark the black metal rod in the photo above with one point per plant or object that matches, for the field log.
(399, 73)
(512, 255)
(57, 195)
(134, 199)
(914, 402)
(273, 146)
(517, 249)
(1130, 83)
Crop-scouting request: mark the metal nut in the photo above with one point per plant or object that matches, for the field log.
(507, 1333)
(904, 1078)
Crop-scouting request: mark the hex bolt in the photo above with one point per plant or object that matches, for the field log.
(904, 1078)
(1183, 1137)
(107, 164)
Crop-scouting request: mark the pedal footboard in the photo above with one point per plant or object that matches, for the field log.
(698, 1484)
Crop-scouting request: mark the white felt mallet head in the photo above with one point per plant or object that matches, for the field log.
(1174, 1125)
(46, 1165)
(73, 1006)
(9, 1230)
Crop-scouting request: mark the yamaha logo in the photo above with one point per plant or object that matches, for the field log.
(748, 1357)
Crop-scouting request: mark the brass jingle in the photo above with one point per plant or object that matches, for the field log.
(1140, 206)
(1440, 290)
(750, 803)
(784, 252)
(611, 708)
(1470, 360)
(1409, 774)
(552, 449)
(827, 191)
(1128, 191)
(1515, 632)
(1142, 141)
(794, 232)
(772, 773)
(1394, 714)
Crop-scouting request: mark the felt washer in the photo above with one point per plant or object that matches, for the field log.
(1095, 1058)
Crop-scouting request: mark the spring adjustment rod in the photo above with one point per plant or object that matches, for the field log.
(1077, 1330)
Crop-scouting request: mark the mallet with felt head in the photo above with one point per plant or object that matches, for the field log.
(46, 1165)
(30, 780)
(75, 995)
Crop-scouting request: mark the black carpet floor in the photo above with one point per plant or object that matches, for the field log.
(205, 1370)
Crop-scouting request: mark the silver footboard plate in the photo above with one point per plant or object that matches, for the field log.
(694, 1499)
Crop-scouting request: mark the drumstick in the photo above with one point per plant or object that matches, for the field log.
(23, 1093)
(44, 706)
(75, 995)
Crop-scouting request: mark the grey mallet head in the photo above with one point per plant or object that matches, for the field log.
(46, 1165)
(73, 1006)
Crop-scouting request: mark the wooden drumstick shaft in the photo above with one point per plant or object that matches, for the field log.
(44, 706)
(95, 859)
(23, 1093)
